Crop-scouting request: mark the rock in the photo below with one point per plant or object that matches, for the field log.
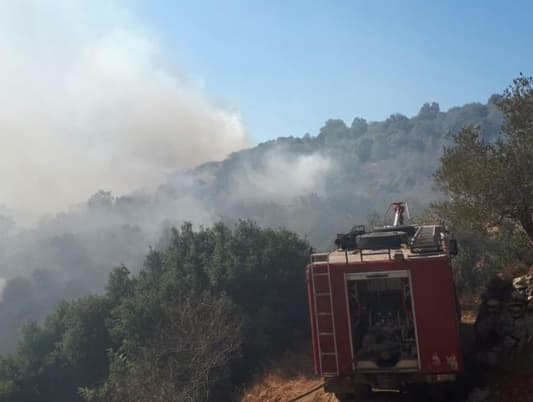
(504, 324)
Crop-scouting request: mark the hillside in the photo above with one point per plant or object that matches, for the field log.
(221, 298)
(316, 185)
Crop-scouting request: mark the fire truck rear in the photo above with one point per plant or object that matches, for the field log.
(383, 310)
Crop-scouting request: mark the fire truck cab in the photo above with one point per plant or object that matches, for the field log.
(383, 310)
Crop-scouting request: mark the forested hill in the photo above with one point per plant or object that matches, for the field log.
(316, 185)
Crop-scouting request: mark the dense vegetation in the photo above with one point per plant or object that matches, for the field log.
(490, 189)
(197, 319)
(316, 185)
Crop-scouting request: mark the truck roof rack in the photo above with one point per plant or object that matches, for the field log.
(427, 239)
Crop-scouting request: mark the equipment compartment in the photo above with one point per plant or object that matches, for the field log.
(382, 321)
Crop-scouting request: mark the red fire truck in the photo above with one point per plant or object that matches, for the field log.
(383, 309)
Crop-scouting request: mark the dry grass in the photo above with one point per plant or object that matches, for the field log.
(292, 377)
(274, 388)
(470, 303)
(468, 317)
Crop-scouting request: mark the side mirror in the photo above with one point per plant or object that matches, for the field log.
(453, 248)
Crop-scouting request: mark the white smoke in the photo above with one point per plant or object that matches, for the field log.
(2, 287)
(281, 176)
(87, 102)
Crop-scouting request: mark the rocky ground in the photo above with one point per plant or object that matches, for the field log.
(504, 329)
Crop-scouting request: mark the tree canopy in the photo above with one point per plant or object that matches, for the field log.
(191, 325)
(490, 184)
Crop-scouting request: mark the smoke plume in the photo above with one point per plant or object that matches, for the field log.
(88, 100)
(281, 176)
(2, 287)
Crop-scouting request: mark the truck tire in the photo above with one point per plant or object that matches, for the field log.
(361, 392)
(417, 392)
(427, 392)
(437, 392)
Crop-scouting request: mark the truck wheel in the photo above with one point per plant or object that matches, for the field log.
(417, 392)
(361, 392)
(437, 392)
(427, 392)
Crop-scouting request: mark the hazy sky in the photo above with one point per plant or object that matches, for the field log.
(289, 65)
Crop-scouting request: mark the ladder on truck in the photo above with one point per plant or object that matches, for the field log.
(427, 239)
(328, 358)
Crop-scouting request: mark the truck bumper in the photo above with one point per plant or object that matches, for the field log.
(353, 384)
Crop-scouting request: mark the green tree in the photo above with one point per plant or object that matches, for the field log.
(358, 127)
(86, 339)
(188, 359)
(491, 184)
